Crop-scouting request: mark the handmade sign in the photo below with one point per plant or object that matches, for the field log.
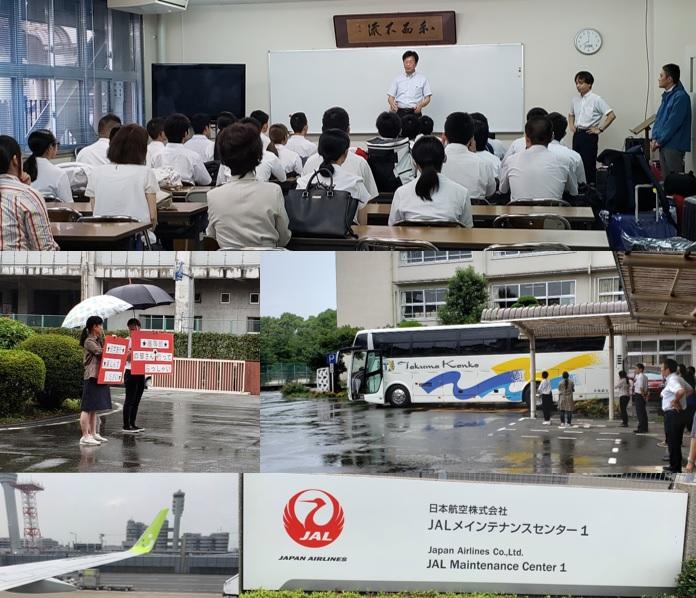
(153, 353)
(113, 363)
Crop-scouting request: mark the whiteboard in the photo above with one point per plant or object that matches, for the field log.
(482, 78)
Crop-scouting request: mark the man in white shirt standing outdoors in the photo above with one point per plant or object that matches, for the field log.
(640, 396)
(410, 91)
(589, 117)
(673, 405)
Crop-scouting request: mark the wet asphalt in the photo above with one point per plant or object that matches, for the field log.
(185, 431)
(327, 435)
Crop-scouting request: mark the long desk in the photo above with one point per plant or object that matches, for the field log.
(460, 238)
(581, 217)
(80, 236)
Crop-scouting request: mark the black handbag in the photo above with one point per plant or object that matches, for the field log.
(320, 210)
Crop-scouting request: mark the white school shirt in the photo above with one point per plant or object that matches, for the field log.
(265, 141)
(576, 165)
(187, 163)
(290, 160)
(492, 159)
(673, 384)
(154, 148)
(588, 110)
(203, 146)
(343, 180)
(545, 387)
(536, 173)
(301, 145)
(498, 148)
(517, 146)
(270, 166)
(449, 203)
(470, 171)
(119, 190)
(354, 164)
(51, 180)
(95, 154)
(401, 146)
(640, 385)
(409, 90)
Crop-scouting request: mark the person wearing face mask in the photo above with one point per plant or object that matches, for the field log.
(589, 117)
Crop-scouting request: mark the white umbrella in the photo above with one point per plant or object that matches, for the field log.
(103, 306)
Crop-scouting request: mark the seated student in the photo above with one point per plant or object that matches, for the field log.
(290, 160)
(537, 173)
(481, 139)
(188, 164)
(494, 146)
(337, 118)
(126, 186)
(432, 196)
(334, 149)
(270, 165)
(427, 125)
(463, 165)
(95, 154)
(390, 140)
(200, 142)
(298, 142)
(245, 212)
(224, 119)
(410, 127)
(520, 144)
(45, 176)
(24, 224)
(155, 129)
(560, 126)
(262, 118)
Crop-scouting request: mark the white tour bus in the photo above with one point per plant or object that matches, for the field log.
(486, 363)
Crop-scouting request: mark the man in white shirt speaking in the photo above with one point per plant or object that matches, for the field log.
(410, 91)
(589, 117)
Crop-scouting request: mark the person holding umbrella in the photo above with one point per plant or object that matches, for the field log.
(135, 386)
(95, 397)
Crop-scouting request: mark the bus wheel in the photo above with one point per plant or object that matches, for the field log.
(525, 396)
(398, 396)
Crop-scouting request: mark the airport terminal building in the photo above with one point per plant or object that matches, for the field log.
(412, 285)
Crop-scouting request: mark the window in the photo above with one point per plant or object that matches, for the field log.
(422, 303)
(197, 298)
(254, 298)
(429, 257)
(66, 63)
(253, 325)
(151, 322)
(560, 292)
(610, 289)
(224, 297)
(652, 352)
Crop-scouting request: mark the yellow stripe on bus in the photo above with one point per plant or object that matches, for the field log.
(569, 365)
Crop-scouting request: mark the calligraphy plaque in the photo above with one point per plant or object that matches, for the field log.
(400, 29)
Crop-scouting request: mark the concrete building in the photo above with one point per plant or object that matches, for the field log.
(384, 288)
(213, 291)
(177, 510)
(216, 542)
(135, 529)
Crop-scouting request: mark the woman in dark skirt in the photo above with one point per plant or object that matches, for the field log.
(95, 397)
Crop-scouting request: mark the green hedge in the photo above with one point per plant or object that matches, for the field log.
(206, 345)
(12, 333)
(686, 582)
(22, 376)
(62, 356)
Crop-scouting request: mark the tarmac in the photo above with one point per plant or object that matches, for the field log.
(326, 435)
(184, 431)
(167, 582)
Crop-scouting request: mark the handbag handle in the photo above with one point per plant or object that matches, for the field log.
(311, 185)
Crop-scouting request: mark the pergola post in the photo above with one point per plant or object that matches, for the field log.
(532, 375)
(612, 361)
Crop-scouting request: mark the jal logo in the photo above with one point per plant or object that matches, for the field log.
(313, 518)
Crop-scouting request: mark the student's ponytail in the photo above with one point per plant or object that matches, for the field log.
(429, 154)
(39, 142)
(327, 167)
(272, 148)
(333, 143)
(83, 336)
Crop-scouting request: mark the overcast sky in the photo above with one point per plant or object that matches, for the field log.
(299, 282)
(89, 504)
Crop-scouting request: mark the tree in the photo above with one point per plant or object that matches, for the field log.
(409, 324)
(525, 301)
(467, 296)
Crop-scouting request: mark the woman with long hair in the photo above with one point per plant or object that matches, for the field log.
(45, 176)
(566, 404)
(95, 397)
(431, 197)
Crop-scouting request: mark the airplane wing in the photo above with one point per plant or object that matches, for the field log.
(32, 577)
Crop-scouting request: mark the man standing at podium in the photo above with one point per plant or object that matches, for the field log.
(410, 92)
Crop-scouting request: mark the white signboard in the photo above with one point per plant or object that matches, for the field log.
(378, 533)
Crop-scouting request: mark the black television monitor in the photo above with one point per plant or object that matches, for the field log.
(194, 88)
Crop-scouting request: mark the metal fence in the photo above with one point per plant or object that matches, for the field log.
(279, 374)
(214, 375)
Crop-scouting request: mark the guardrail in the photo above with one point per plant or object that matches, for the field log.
(211, 375)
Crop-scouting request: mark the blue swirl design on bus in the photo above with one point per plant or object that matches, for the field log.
(478, 390)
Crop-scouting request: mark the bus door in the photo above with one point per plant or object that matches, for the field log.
(366, 375)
